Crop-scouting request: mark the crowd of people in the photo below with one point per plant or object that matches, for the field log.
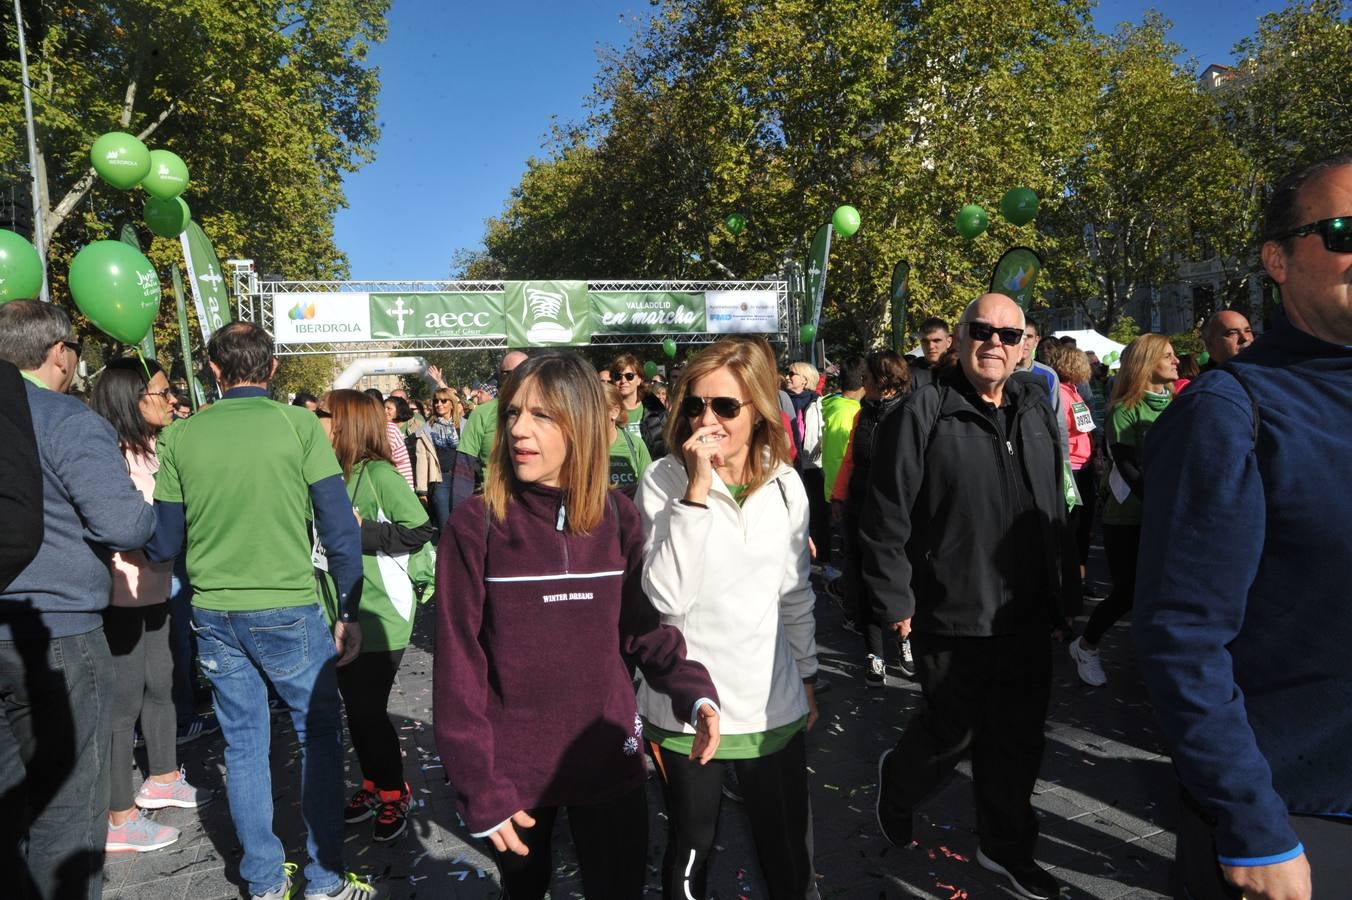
(623, 568)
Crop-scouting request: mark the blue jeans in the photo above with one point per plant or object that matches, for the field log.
(56, 702)
(292, 649)
(440, 496)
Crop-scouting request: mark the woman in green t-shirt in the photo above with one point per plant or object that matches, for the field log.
(628, 454)
(1143, 389)
(393, 524)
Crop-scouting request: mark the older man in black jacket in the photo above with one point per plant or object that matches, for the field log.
(961, 540)
(20, 479)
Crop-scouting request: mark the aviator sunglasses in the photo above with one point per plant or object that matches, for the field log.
(724, 407)
(627, 376)
(982, 331)
(1336, 232)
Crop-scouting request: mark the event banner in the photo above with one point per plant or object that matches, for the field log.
(817, 259)
(541, 317)
(1016, 274)
(206, 281)
(901, 280)
(547, 313)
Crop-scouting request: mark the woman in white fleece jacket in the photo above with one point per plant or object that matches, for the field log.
(726, 561)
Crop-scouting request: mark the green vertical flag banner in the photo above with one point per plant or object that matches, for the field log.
(130, 238)
(184, 341)
(1015, 275)
(547, 313)
(901, 283)
(207, 282)
(816, 272)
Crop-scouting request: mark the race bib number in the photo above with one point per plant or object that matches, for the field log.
(1084, 419)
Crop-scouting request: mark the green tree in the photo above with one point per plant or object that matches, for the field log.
(304, 373)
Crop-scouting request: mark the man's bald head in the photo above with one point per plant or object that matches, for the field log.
(511, 360)
(1225, 334)
(989, 361)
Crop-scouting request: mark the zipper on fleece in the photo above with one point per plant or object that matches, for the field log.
(559, 519)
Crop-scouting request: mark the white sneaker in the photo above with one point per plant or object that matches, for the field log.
(1087, 664)
(875, 675)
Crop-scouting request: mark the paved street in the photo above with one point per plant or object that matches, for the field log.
(1105, 802)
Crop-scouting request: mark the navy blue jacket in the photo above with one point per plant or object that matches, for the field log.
(1243, 616)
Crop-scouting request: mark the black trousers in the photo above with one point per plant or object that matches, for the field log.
(818, 513)
(365, 685)
(1122, 546)
(774, 791)
(612, 846)
(1082, 517)
(987, 696)
(1197, 873)
(856, 600)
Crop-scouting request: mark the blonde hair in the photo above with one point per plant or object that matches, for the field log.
(1070, 364)
(808, 371)
(614, 401)
(751, 361)
(1138, 362)
(457, 405)
(568, 389)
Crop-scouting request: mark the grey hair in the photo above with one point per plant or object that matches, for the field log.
(28, 329)
(970, 310)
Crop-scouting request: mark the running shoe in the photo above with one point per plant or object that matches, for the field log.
(140, 834)
(352, 887)
(875, 676)
(1088, 664)
(363, 804)
(906, 664)
(896, 828)
(1027, 878)
(392, 816)
(198, 726)
(178, 794)
(287, 889)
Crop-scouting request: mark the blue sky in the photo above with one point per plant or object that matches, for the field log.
(469, 91)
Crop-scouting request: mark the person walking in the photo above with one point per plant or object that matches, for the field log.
(539, 603)
(241, 481)
(437, 444)
(393, 525)
(1141, 392)
(726, 562)
(132, 395)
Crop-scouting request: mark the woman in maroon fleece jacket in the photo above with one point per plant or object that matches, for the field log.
(539, 593)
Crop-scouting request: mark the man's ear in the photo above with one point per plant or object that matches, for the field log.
(1274, 260)
(273, 370)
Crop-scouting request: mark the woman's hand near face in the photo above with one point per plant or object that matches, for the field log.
(701, 456)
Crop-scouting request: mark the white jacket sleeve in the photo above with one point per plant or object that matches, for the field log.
(674, 539)
(796, 597)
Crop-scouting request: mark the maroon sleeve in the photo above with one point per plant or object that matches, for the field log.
(659, 650)
(463, 731)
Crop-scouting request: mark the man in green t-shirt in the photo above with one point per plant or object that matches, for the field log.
(476, 440)
(838, 414)
(242, 480)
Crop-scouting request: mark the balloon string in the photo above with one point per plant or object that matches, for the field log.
(142, 357)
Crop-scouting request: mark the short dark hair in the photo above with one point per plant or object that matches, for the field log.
(402, 411)
(376, 393)
(890, 371)
(28, 329)
(243, 353)
(933, 323)
(117, 397)
(303, 397)
(1029, 323)
(852, 373)
(1283, 206)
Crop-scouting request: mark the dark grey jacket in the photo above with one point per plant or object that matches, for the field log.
(962, 529)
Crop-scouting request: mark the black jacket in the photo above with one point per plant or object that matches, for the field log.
(653, 425)
(864, 445)
(20, 479)
(962, 528)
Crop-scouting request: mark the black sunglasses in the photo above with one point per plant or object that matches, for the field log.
(982, 331)
(627, 376)
(1336, 232)
(724, 407)
(73, 346)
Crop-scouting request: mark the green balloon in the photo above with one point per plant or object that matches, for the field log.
(807, 333)
(669, 348)
(1203, 358)
(20, 268)
(167, 218)
(1019, 205)
(972, 220)
(116, 287)
(649, 370)
(845, 220)
(735, 223)
(168, 175)
(120, 159)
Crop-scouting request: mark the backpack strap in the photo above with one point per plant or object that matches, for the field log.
(1253, 401)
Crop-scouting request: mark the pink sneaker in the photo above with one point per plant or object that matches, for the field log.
(176, 793)
(139, 833)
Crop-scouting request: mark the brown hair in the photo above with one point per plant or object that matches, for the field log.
(751, 361)
(1070, 364)
(567, 387)
(613, 399)
(358, 429)
(890, 371)
(1138, 361)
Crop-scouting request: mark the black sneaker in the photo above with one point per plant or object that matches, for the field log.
(896, 829)
(874, 674)
(906, 664)
(392, 815)
(362, 806)
(1027, 878)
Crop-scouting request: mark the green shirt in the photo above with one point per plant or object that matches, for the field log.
(730, 746)
(381, 494)
(635, 417)
(1128, 425)
(477, 437)
(629, 457)
(838, 415)
(242, 468)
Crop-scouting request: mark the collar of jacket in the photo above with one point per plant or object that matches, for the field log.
(541, 502)
(963, 394)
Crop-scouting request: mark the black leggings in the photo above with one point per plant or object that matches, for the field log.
(365, 685)
(774, 789)
(1082, 517)
(1122, 545)
(611, 839)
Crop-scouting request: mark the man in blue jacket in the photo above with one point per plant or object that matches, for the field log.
(1243, 621)
(56, 673)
